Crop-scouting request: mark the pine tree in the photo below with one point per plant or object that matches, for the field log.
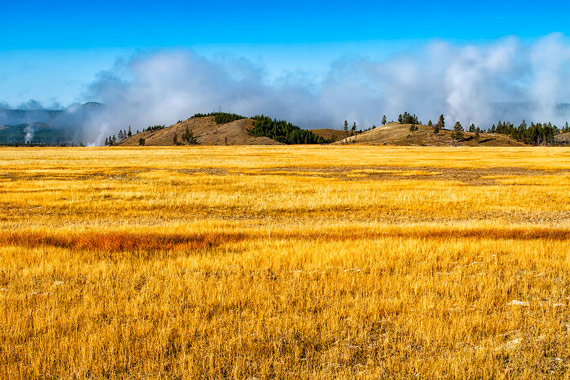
(384, 120)
(175, 139)
(457, 133)
(430, 124)
(345, 128)
(477, 135)
(441, 122)
(129, 133)
(472, 128)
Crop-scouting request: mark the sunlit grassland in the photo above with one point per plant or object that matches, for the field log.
(285, 262)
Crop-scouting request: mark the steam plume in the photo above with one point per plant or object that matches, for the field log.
(507, 79)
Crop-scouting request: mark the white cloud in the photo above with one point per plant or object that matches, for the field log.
(477, 83)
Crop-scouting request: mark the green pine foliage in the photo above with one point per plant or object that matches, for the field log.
(284, 132)
(457, 133)
(188, 136)
(407, 118)
(534, 134)
(221, 117)
(153, 128)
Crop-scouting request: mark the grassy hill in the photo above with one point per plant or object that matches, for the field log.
(225, 129)
(400, 134)
(205, 130)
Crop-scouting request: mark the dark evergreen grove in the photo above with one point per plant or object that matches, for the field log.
(221, 117)
(407, 118)
(284, 132)
(534, 134)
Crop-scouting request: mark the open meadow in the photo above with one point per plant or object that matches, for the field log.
(298, 262)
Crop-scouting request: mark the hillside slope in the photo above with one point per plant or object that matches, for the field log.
(329, 134)
(206, 132)
(399, 134)
(563, 138)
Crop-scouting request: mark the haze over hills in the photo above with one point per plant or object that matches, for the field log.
(47, 126)
(67, 127)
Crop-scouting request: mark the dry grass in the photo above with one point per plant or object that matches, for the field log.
(284, 262)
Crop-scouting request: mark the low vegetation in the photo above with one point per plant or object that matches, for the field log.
(306, 262)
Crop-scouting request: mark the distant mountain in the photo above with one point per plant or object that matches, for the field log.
(44, 126)
(16, 116)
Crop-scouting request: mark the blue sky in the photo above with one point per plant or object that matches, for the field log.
(51, 50)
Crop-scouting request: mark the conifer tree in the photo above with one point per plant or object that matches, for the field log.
(441, 122)
(457, 133)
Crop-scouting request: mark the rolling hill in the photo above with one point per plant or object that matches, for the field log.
(206, 132)
(400, 134)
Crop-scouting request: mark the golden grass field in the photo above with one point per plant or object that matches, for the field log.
(313, 262)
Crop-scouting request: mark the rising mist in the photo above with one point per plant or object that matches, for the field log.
(479, 83)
